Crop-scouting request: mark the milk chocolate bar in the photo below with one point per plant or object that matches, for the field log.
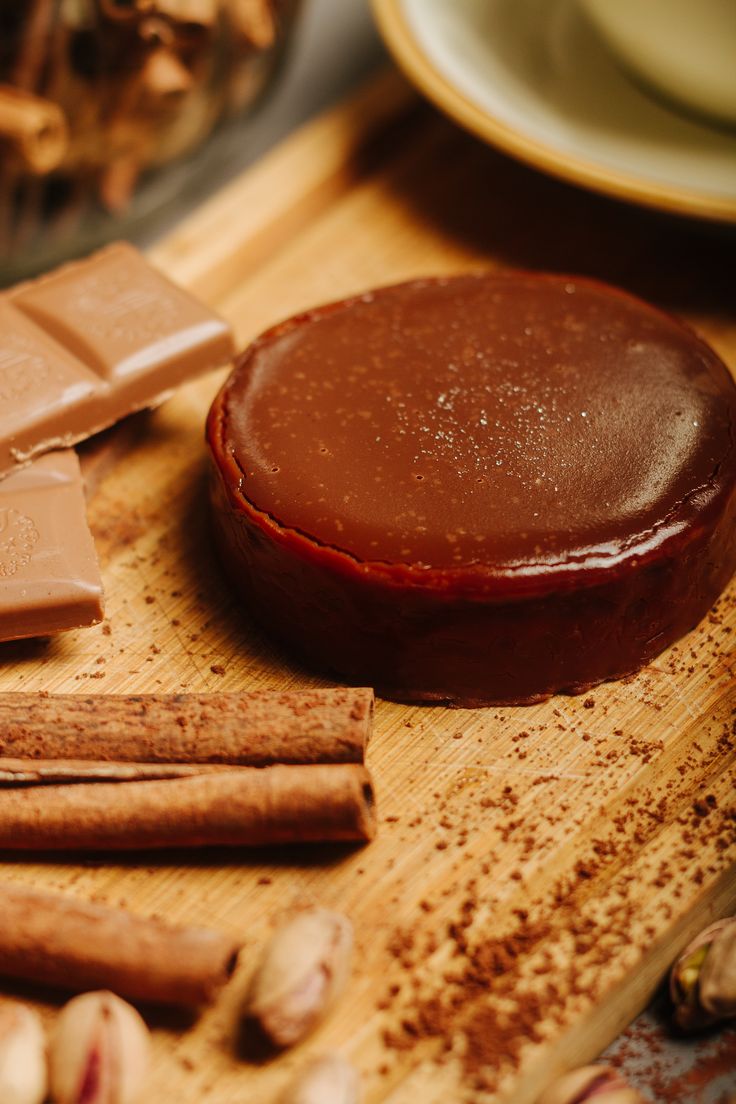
(49, 578)
(91, 342)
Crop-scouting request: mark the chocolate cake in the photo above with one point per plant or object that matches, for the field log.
(479, 489)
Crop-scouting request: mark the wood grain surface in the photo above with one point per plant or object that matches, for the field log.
(536, 869)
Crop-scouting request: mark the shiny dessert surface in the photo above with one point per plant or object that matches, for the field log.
(522, 423)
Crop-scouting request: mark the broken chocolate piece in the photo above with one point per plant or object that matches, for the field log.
(48, 568)
(91, 342)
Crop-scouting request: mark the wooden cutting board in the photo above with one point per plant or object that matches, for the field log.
(536, 869)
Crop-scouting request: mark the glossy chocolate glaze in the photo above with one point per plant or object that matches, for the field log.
(480, 441)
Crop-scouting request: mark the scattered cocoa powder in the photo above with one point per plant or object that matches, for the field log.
(508, 989)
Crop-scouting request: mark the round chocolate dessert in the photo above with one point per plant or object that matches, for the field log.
(480, 489)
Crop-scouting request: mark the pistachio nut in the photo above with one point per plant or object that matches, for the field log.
(329, 1079)
(703, 979)
(601, 1084)
(23, 1076)
(303, 970)
(99, 1052)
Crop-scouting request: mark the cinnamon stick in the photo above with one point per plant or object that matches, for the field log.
(34, 128)
(118, 181)
(63, 941)
(256, 729)
(243, 807)
(164, 80)
(26, 72)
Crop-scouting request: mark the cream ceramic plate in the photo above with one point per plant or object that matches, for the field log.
(531, 77)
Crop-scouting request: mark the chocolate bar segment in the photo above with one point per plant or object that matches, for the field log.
(49, 578)
(92, 342)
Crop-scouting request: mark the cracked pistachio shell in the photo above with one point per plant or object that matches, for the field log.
(703, 979)
(99, 1052)
(598, 1084)
(303, 970)
(326, 1080)
(23, 1076)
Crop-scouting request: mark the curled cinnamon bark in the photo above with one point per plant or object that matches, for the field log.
(47, 772)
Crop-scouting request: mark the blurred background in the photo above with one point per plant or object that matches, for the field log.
(117, 120)
(117, 117)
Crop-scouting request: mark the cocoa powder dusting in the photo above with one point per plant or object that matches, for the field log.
(507, 978)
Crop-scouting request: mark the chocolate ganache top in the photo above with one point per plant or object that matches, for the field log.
(520, 422)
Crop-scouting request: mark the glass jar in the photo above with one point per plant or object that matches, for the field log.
(97, 97)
